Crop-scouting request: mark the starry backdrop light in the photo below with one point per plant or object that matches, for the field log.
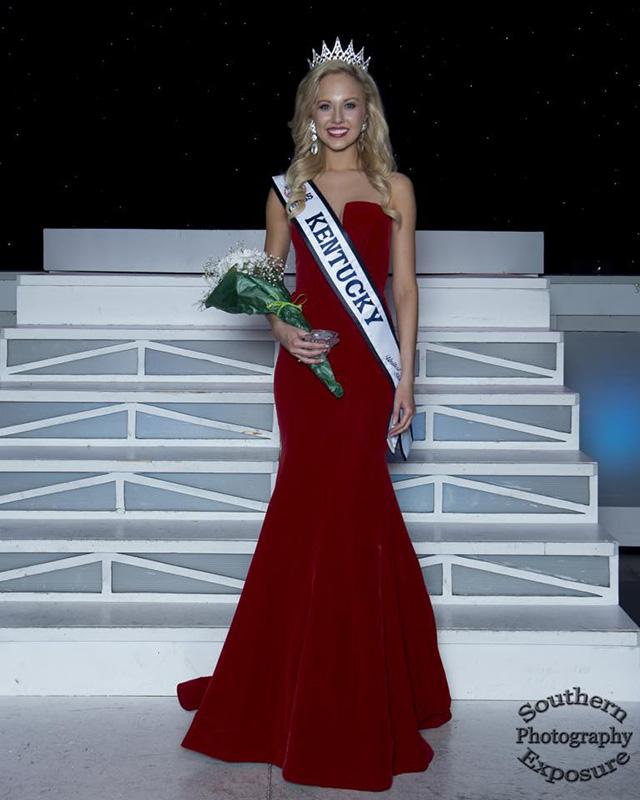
(141, 115)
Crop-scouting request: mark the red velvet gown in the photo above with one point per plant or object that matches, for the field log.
(331, 665)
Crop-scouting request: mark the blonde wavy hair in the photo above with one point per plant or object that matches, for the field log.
(374, 145)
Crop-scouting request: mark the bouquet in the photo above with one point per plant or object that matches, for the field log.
(249, 281)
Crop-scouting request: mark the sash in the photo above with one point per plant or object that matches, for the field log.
(342, 266)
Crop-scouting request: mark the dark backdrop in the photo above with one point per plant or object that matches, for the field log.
(154, 115)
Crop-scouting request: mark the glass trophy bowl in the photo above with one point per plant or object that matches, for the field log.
(323, 335)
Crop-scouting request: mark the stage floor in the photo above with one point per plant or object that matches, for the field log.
(128, 748)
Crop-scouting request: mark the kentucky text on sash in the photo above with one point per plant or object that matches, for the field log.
(342, 266)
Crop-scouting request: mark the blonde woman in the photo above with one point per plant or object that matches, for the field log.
(331, 665)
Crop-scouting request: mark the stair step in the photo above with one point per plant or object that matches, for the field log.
(452, 485)
(241, 415)
(240, 536)
(454, 333)
(118, 354)
(516, 652)
(513, 624)
(184, 457)
(139, 391)
(190, 560)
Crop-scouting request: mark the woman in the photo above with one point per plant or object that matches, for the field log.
(331, 663)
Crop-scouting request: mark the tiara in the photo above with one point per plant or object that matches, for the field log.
(339, 54)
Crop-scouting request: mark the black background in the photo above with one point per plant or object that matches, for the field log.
(148, 115)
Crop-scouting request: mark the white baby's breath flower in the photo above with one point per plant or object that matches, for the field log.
(243, 259)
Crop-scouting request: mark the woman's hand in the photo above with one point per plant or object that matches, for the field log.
(291, 338)
(404, 402)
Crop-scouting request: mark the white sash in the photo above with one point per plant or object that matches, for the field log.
(342, 266)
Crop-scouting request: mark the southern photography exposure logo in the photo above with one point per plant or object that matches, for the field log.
(595, 737)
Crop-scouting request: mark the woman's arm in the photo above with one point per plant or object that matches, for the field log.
(405, 285)
(277, 243)
(278, 235)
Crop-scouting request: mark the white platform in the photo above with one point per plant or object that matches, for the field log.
(183, 251)
(155, 300)
(489, 652)
(105, 575)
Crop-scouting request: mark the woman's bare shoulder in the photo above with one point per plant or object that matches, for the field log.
(401, 181)
(402, 192)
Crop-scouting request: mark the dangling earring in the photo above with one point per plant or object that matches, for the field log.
(363, 128)
(314, 138)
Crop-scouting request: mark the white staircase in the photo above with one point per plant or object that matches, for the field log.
(137, 461)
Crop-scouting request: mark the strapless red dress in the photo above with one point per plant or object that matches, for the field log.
(331, 664)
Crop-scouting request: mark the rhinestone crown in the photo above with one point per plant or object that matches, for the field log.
(348, 55)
